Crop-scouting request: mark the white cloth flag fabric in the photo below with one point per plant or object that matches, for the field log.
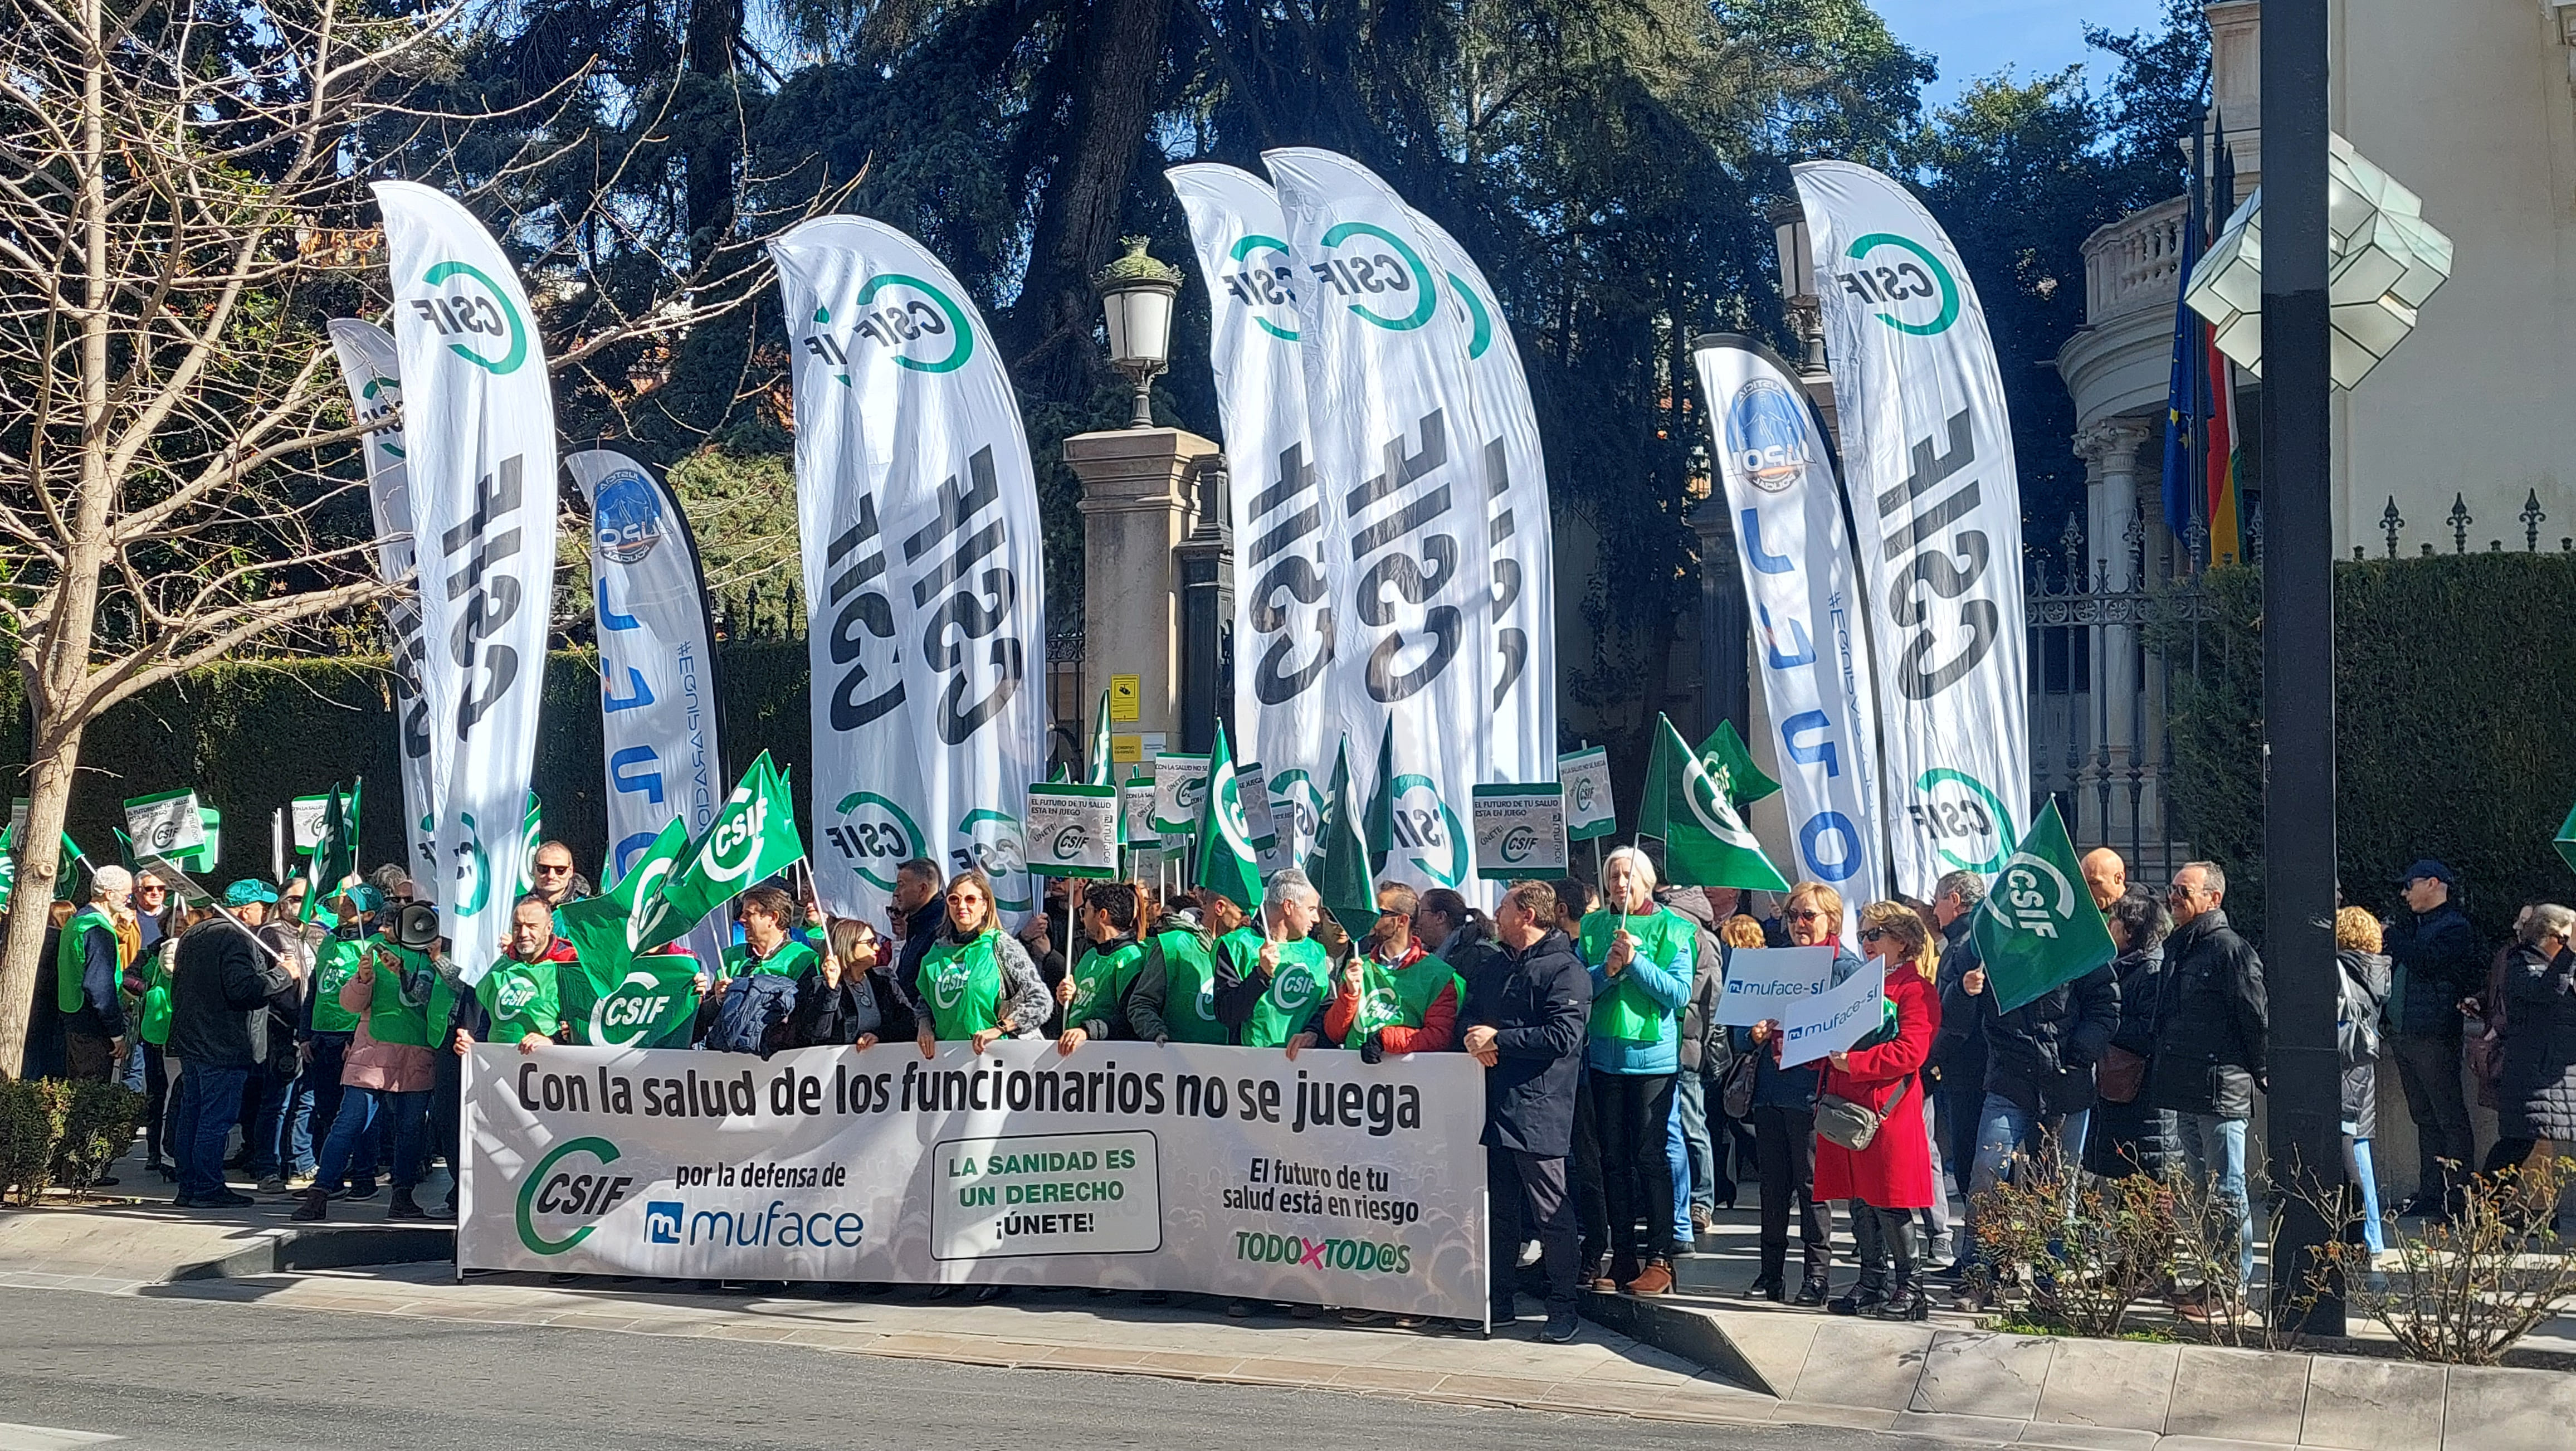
(1390, 404)
(373, 371)
(1292, 551)
(1809, 647)
(1928, 465)
(657, 699)
(919, 510)
(1521, 686)
(480, 435)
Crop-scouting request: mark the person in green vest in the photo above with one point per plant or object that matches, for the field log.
(1105, 974)
(89, 964)
(523, 991)
(1640, 956)
(755, 991)
(149, 977)
(1394, 996)
(1271, 981)
(1174, 996)
(401, 1000)
(977, 981)
(331, 1027)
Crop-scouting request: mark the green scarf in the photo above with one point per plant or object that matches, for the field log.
(1626, 1011)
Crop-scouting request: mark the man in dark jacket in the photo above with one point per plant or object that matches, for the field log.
(220, 986)
(2212, 1042)
(1524, 1020)
(2438, 963)
(918, 911)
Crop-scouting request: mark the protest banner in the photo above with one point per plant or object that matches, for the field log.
(165, 825)
(1520, 830)
(1590, 812)
(1833, 1020)
(1180, 789)
(1212, 1170)
(1762, 981)
(1072, 830)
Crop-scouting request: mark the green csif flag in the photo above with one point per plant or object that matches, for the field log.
(335, 851)
(2038, 928)
(1228, 865)
(1099, 770)
(752, 837)
(604, 929)
(1339, 866)
(1728, 760)
(1378, 824)
(1706, 844)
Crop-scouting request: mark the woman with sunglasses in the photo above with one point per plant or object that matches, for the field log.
(1784, 1114)
(977, 980)
(1893, 1176)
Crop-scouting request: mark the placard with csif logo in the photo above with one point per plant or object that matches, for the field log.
(1072, 830)
(1212, 1170)
(1520, 831)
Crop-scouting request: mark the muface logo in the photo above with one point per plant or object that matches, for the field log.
(1427, 831)
(874, 835)
(472, 305)
(582, 1189)
(1964, 817)
(1766, 435)
(1902, 284)
(627, 516)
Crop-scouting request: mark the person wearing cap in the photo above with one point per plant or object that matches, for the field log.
(220, 984)
(330, 1028)
(388, 1069)
(2438, 962)
(89, 963)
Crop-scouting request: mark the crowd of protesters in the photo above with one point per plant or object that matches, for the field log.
(1621, 1115)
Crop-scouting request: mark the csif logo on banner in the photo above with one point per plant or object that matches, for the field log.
(1361, 268)
(571, 1183)
(1264, 281)
(2032, 895)
(1426, 831)
(874, 835)
(922, 324)
(471, 305)
(1900, 276)
(631, 1012)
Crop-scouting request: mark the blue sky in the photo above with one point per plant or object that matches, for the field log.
(1971, 39)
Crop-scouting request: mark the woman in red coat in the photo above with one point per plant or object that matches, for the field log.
(1892, 1178)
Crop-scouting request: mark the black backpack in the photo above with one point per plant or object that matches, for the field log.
(752, 1017)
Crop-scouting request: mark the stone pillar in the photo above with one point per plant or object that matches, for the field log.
(1725, 656)
(2123, 756)
(1207, 610)
(1135, 505)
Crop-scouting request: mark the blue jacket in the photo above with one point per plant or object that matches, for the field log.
(2439, 962)
(1669, 986)
(1791, 1088)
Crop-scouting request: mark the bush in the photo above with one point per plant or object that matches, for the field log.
(2462, 1293)
(2448, 741)
(98, 1127)
(32, 1114)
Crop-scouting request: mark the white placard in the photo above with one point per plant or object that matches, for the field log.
(1584, 777)
(1212, 1170)
(304, 817)
(1136, 813)
(1762, 982)
(170, 824)
(1180, 789)
(1520, 831)
(1835, 1019)
(1072, 830)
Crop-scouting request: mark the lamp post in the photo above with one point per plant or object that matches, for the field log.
(1136, 293)
(1797, 252)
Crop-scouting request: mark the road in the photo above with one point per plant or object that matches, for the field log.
(205, 1375)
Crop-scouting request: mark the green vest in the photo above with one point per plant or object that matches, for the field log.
(1288, 1004)
(71, 956)
(389, 1018)
(789, 961)
(156, 1003)
(1189, 988)
(1398, 997)
(1100, 983)
(522, 997)
(1626, 1011)
(962, 983)
(337, 963)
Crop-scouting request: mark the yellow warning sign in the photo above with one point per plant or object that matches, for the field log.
(1125, 691)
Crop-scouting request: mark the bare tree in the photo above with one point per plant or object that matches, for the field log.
(182, 204)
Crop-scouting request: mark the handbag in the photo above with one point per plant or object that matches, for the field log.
(1855, 1125)
(1735, 1088)
(2119, 1076)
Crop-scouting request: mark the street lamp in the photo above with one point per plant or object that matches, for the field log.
(1136, 293)
(2382, 260)
(1798, 284)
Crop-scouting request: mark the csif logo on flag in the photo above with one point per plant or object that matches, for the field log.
(1365, 262)
(874, 835)
(2032, 895)
(1915, 293)
(1964, 817)
(917, 320)
(996, 844)
(632, 1011)
(469, 304)
(1265, 281)
(1427, 831)
(1226, 792)
(1706, 788)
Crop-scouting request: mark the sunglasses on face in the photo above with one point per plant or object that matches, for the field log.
(1875, 934)
(548, 869)
(1804, 916)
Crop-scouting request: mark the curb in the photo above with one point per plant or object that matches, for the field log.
(325, 1247)
(1688, 1333)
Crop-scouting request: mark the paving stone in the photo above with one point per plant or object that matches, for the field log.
(1775, 1346)
(2356, 1403)
(2086, 1438)
(2124, 1384)
(2508, 1410)
(2238, 1395)
(1979, 1373)
(1857, 1363)
(1983, 1430)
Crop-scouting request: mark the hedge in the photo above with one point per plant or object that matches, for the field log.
(58, 1133)
(252, 735)
(2451, 738)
